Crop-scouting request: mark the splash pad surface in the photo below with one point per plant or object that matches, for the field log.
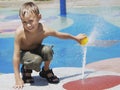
(85, 22)
(106, 37)
(73, 77)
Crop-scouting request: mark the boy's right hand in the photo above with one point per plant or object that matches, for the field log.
(80, 37)
(19, 84)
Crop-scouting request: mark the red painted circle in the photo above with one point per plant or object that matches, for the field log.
(93, 83)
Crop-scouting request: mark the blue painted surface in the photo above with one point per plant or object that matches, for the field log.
(6, 53)
(66, 52)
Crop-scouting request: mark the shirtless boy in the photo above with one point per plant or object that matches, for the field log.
(29, 50)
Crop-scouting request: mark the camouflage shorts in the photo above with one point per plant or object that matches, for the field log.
(32, 59)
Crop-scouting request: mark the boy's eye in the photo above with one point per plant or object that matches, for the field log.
(24, 22)
(31, 21)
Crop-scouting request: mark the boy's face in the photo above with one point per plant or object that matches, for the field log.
(30, 21)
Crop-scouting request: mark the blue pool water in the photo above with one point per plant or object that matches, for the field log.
(67, 53)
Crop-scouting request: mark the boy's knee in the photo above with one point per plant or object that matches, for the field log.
(33, 62)
(47, 53)
(37, 59)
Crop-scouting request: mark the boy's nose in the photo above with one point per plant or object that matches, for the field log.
(29, 25)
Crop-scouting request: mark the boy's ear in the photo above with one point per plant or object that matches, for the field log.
(39, 16)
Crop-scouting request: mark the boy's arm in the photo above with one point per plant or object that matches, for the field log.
(16, 62)
(66, 35)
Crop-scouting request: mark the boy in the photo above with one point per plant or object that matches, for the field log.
(28, 48)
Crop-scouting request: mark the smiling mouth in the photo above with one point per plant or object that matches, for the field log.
(30, 29)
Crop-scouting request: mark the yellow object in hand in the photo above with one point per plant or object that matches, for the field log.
(84, 41)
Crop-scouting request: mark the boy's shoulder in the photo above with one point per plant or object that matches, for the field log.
(19, 31)
(45, 27)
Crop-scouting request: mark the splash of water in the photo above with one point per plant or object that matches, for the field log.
(99, 43)
(84, 60)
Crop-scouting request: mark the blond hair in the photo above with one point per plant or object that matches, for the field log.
(28, 7)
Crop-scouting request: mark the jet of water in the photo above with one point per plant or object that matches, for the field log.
(84, 60)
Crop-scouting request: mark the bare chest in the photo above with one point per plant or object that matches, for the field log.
(31, 42)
